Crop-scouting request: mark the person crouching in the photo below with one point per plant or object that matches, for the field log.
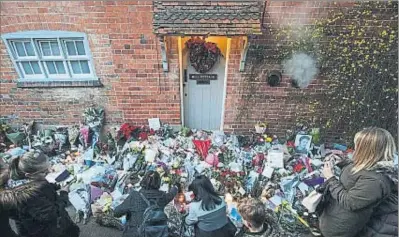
(257, 220)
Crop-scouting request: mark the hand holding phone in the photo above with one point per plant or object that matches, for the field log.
(334, 158)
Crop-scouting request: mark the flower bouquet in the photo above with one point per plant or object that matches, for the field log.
(261, 128)
(4, 128)
(94, 118)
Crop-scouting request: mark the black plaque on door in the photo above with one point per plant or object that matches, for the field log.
(203, 77)
(203, 82)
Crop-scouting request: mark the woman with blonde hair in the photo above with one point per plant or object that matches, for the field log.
(33, 202)
(364, 201)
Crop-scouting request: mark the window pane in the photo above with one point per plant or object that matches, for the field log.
(29, 49)
(20, 49)
(71, 48)
(51, 68)
(46, 48)
(36, 68)
(27, 68)
(60, 67)
(55, 48)
(80, 47)
(85, 67)
(76, 67)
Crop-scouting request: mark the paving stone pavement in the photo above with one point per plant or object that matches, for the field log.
(91, 229)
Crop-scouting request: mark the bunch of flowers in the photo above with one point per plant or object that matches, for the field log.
(4, 128)
(230, 181)
(126, 131)
(131, 132)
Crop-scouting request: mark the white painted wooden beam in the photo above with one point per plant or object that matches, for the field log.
(164, 56)
(244, 54)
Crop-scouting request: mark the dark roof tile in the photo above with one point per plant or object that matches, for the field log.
(233, 18)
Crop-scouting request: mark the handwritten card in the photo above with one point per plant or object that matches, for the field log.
(268, 172)
(154, 123)
(275, 159)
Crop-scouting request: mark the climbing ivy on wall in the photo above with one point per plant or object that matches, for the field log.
(357, 51)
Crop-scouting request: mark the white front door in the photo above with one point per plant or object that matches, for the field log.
(203, 99)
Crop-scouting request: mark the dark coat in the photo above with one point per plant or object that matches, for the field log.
(5, 227)
(364, 204)
(38, 210)
(134, 206)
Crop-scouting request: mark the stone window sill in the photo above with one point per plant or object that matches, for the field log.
(55, 84)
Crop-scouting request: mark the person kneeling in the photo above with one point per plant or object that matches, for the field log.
(256, 220)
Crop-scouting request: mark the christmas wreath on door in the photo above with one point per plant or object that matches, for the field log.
(203, 55)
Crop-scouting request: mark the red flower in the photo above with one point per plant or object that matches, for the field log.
(143, 136)
(258, 159)
(178, 172)
(298, 167)
(126, 130)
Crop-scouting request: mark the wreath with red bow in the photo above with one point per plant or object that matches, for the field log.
(203, 55)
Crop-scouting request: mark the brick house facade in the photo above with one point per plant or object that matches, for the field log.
(126, 40)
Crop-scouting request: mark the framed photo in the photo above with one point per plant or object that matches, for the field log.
(302, 143)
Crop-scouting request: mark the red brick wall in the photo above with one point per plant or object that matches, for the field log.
(134, 86)
(279, 106)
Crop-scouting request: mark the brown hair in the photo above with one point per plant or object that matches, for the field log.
(371, 146)
(29, 163)
(151, 180)
(253, 211)
(4, 174)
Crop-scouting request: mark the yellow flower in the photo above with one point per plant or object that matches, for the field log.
(160, 170)
(269, 139)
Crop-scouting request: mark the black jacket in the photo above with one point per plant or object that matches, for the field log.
(134, 207)
(38, 210)
(364, 204)
(5, 227)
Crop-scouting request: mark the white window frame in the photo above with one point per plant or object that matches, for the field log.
(61, 37)
(81, 74)
(64, 41)
(30, 76)
(24, 57)
(52, 57)
(66, 75)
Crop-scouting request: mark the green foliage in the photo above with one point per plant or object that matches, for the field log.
(357, 51)
(360, 60)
